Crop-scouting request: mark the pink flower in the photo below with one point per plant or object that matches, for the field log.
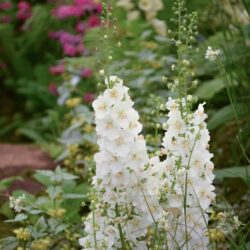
(69, 49)
(65, 37)
(80, 49)
(5, 19)
(88, 5)
(24, 11)
(5, 5)
(86, 73)
(80, 27)
(67, 11)
(94, 21)
(53, 89)
(56, 69)
(88, 97)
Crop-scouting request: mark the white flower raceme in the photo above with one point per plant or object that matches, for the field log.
(211, 54)
(187, 183)
(126, 205)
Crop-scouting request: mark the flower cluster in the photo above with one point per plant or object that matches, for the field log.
(125, 204)
(86, 14)
(149, 7)
(186, 187)
(211, 54)
(17, 203)
(24, 11)
(78, 8)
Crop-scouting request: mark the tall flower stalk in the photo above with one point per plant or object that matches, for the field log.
(124, 205)
(188, 177)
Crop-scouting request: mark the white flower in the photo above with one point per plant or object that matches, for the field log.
(133, 15)
(75, 80)
(159, 26)
(146, 5)
(211, 54)
(113, 80)
(102, 72)
(125, 4)
(17, 203)
(63, 95)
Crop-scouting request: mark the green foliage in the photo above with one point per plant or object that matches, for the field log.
(55, 215)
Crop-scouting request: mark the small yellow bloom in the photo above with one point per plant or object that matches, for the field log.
(149, 45)
(213, 215)
(220, 216)
(77, 119)
(73, 148)
(88, 128)
(22, 233)
(217, 235)
(73, 102)
(41, 244)
(57, 212)
(66, 162)
(155, 64)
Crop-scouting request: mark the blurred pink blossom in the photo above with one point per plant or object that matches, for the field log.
(86, 73)
(57, 69)
(24, 11)
(89, 5)
(94, 21)
(88, 97)
(5, 19)
(53, 89)
(69, 49)
(67, 11)
(5, 5)
(80, 27)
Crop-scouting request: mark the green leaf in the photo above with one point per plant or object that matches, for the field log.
(54, 191)
(9, 243)
(31, 134)
(18, 218)
(232, 172)
(41, 225)
(226, 114)
(209, 88)
(40, 177)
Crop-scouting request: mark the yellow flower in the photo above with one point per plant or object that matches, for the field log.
(77, 119)
(213, 215)
(88, 128)
(217, 235)
(66, 162)
(220, 216)
(73, 148)
(22, 233)
(149, 45)
(73, 102)
(41, 244)
(155, 64)
(57, 212)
